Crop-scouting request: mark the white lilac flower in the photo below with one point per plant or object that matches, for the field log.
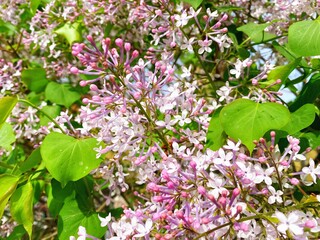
(290, 223)
(188, 44)
(183, 118)
(275, 195)
(238, 69)
(312, 171)
(186, 72)
(204, 46)
(143, 230)
(182, 20)
(263, 174)
(232, 146)
(105, 221)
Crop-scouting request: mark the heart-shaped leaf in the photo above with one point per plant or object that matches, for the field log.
(300, 119)
(304, 38)
(256, 31)
(8, 184)
(35, 79)
(6, 106)
(71, 217)
(70, 31)
(248, 121)
(67, 158)
(61, 94)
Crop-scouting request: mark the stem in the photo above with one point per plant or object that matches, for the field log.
(44, 113)
(13, 50)
(163, 139)
(4, 165)
(212, 230)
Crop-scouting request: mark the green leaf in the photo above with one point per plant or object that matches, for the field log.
(35, 98)
(313, 138)
(194, 3)
(32, 161)
(6, 106)
(300, 119)
(52, 111)
(6, 136)
(61, 94)
(216, 136)
(282, 73)
(7, 28)
(61, 193)
(256, 32)
(35, 79)
(53, 204)
(284, 51)
(17, 233)
(71, 217)
(309, 93)
(8, 185)
(21, 207)
(34, 4)
(304, 38)
(70, 32)
(67, 158)
(248, 121)
(38, 187)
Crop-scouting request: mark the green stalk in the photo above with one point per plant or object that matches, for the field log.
(44, 113)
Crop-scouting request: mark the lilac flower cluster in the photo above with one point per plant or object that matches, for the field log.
(127, 94)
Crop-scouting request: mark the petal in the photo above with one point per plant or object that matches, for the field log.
(148, 224)
(104, 221)
(268, 181)
(293, 217)
(282, 228)
(259, 179)
(271, 199)
(295, 229)
(281, 216)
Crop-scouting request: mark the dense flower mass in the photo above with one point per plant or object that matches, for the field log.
(159, 119)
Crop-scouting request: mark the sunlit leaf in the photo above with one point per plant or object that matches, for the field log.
(304, 38)
(21, 206)
(256, 32)
(70, 31)
(8, 185)
(7, 136)
(300, 119)
(6, 106)
(248, 121)
(61, 94)
(67, 158)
